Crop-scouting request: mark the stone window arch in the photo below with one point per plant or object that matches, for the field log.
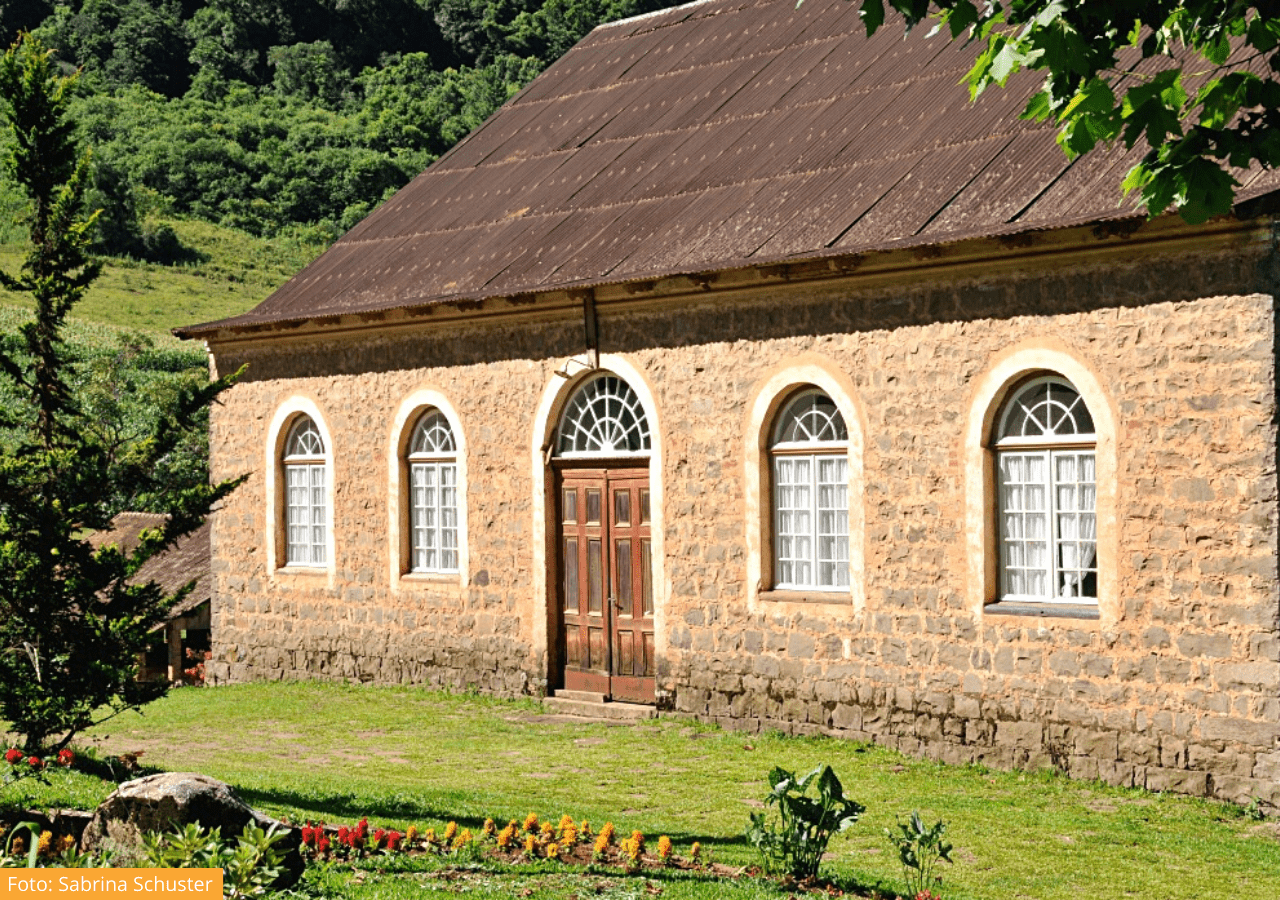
(1040, 451)
(804, 417)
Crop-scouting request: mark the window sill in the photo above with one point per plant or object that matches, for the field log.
(302, 571)
(429, 578)
(834, 598)
(1085, 611)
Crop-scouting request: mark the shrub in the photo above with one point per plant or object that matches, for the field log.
(794, 841)
(250, 865)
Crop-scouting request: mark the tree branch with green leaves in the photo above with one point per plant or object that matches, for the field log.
(1193, 81)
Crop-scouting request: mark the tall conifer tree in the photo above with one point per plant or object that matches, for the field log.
(72, 622)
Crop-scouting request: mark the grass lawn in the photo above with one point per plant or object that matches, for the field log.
(408, 756)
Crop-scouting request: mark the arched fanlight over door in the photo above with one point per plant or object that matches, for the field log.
(603, 418)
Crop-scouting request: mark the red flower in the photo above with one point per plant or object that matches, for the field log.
(308, 835)
(12, 755)
(378, 836)
(362, 828)
(35, 762)
(66, 757)
(322, 844)
(393, 840)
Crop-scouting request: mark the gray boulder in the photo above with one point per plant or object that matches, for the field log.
(175, 799)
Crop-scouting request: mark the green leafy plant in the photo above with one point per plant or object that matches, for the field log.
(793, 842)
(26, 857)
(920, 849)
(250, 864)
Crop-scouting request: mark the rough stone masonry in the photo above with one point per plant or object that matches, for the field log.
(1175, 687)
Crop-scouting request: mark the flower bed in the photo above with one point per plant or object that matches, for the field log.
(567, 841)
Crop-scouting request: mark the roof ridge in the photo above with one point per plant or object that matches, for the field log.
(651, 15)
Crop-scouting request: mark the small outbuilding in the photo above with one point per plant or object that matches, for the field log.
(739, 366)
(182, 640)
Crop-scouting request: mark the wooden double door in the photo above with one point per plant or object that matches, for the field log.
(606, 582)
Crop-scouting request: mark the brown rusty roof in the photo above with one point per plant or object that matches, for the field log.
(187, 560)
(716, 135)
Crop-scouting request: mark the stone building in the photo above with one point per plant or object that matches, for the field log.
(738, 366)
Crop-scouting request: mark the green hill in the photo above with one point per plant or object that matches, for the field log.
(238, 271)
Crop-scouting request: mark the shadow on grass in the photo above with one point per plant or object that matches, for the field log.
(337, 807)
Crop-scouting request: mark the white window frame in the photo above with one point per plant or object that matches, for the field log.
(799, 454)
(433, 495)
(306, 506)
(1050, 444)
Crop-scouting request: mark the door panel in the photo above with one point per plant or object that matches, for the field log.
(606, 582)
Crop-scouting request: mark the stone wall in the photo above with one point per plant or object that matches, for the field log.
(1176, 686)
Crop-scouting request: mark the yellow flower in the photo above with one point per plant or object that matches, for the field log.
(570, 834)
(548, 831)
(65, 843)
(430, 836)
(606, 834)
(585, 828)
(530, 845)
(490, 828)
(664, 849)
(638, 839)
(18, 846)
(632, 848)
(600, 847)
(553, 850)
(412, 834)
(565, 822)
(45, 845)
(462, 840)
(450, 831)
(507, 836)
(695, 852)
(531, 821)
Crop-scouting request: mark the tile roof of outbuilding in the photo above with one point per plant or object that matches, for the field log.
(187, 560)
(716, 135)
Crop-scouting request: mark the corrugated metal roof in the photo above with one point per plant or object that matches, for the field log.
(718, 134)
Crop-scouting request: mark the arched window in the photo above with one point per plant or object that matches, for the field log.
(810, 455)
(1047, 498)
(305, 507)
(604, 418)
(433, 495)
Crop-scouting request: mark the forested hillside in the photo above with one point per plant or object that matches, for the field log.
(275, 115)
(232, 141)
